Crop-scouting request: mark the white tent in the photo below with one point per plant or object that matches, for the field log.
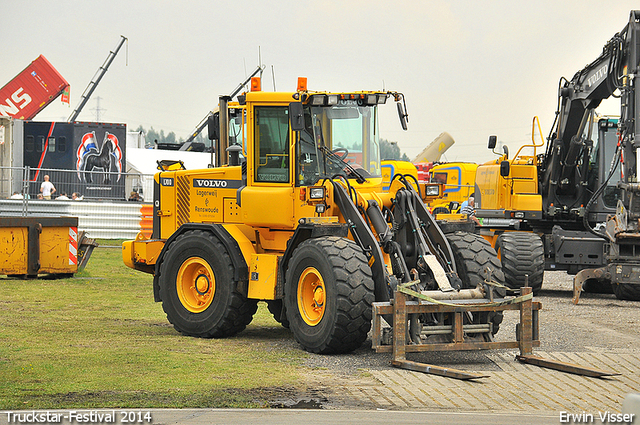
(142, 164)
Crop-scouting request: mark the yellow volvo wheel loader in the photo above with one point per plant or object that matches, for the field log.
(294, 213)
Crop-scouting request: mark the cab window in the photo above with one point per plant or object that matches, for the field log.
(271, 138)
(439, 178)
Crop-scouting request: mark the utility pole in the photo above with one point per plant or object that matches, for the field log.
(98, 109)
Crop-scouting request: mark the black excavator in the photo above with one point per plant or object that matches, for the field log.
(587, 206)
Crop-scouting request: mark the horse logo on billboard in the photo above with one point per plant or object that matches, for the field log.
(91, 158)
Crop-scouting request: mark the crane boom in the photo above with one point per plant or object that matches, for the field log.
(95, 80)
(204, 121)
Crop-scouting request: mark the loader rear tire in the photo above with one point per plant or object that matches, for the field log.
(625, 291)
(521, 254)
(473, 255)
(329, 293)
(276, 308)
(197, 289)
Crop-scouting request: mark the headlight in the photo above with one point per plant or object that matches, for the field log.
(317, 100)
(371, 99)
(316, 193)
(433, 190)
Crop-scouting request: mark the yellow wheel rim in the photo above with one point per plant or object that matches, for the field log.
(196, 284)
(311, 296)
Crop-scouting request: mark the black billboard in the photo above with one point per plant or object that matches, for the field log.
(88, 158)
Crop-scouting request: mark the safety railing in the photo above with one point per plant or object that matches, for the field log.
(89, 185)
(104, 220)
(102, 206)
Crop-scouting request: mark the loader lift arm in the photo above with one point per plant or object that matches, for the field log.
(416, 244)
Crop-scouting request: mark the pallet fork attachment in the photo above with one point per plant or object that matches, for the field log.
(527, 332)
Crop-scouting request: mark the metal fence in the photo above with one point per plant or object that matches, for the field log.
(103, 210)
(91, 185)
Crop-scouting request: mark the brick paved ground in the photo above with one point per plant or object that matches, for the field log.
(513, 387)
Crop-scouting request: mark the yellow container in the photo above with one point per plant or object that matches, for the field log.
(37, 245)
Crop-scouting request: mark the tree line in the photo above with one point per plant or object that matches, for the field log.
(153, 136)
(390, 150)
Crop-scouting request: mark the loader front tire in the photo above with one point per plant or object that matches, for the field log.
(521, 254)
(473, 256)
(329, 293)
(197, 289)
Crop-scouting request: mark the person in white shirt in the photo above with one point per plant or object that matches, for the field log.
(16, 195)
(470, 210)
(47, 188)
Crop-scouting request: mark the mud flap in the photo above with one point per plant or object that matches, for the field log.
(85, 249)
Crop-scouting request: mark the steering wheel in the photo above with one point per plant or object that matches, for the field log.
(342, 153)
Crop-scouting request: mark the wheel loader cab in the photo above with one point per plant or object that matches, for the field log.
(340, 137)
(335, 137)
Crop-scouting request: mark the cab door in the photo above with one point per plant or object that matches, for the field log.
(268, 199)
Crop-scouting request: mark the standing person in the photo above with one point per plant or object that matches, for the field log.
(47, 188)
(470, 210)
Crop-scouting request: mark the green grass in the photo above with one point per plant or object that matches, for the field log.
(99, 340)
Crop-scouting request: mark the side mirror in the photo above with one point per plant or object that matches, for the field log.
(504, 168)
(296, 116)
(493, 140)
(505, 149)
(402, 115)
(213, 126)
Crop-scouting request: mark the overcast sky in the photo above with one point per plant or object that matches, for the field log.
(471, 68)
